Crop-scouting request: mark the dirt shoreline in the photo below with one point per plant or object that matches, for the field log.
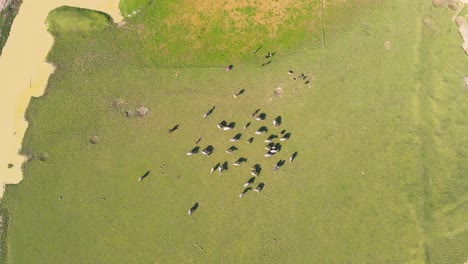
(24, 73)
(3, 4)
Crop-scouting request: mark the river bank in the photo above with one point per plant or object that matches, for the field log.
(24, 73)
(8, 11)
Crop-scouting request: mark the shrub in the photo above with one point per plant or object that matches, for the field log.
(94, 139)
(118, 103)
(142, 111)
(43, 156)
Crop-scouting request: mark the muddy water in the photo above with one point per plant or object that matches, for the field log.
(24, 73)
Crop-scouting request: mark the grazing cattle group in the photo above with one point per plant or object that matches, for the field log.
(273, 146)
(301, 77)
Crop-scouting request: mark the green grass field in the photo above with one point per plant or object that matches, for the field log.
(380, 132)
(67, 19)
(127, 7)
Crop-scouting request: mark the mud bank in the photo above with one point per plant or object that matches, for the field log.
(24, 73)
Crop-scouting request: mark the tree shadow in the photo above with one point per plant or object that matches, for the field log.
(173, 129)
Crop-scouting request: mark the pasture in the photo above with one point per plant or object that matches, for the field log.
(380, 131)
(76, 20)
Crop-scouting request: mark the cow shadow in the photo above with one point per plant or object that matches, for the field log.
(173, 129)
(225, 166)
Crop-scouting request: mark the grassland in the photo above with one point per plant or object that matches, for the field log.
(67, 19)
(380, 133)
(131, 7)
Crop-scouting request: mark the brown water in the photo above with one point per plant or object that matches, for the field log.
(24, 73)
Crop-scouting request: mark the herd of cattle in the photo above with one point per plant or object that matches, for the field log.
(272, 147)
